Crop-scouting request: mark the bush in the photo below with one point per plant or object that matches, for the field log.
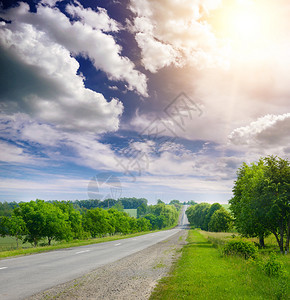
(242, 248)
(273, 267)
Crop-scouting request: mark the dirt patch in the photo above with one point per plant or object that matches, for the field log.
(133, 277)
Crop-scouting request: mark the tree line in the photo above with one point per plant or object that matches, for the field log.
(58, 220)
(209, 217)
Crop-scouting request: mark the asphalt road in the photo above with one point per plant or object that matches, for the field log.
(25, 276)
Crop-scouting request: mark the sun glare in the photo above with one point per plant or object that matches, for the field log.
(246, 24)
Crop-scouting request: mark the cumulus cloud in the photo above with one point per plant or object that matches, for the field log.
(41, 80)
(80, 38)
(175, 34)
(268, 131)
(40, 77)
(96, 19)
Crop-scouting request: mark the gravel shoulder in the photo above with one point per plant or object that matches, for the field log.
(133, 277)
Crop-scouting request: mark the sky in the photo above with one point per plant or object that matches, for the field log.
(160, 99)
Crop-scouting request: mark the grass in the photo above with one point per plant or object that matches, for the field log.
(202, 273)
(9, 243)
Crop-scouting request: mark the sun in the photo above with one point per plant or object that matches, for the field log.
(246, 24)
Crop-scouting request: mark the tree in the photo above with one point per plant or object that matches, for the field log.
(214, 207)
(143, 224)
(176, 203)
(74, 218)
(220, 221)
(118, 206)
(43, 220)
(13, 226)
(99, 222)
(275, 190)
(141, 210)
(196, 214)
(261, 200)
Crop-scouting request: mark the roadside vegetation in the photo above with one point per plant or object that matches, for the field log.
(204, 271)
(242, 250)
(56, 224)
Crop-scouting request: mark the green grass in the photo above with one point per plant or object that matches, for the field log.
(202, 273)
(132, 212)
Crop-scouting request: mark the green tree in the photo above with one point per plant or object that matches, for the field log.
(98, 222)
(220, 221)
(142, 210)
(143, 224)
(261, 200)
(118, 206)
(13, 226)
(214, 207)
(43, 220)
(196, 214)
(74, 218)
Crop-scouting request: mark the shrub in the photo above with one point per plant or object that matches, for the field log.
(273, 267)
(242, 248)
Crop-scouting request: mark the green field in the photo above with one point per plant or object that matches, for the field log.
(131, 212)
(203, 273)
(9, 243)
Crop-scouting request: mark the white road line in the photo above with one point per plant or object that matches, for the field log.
(2, 268)
(84, 251)
(118, 244)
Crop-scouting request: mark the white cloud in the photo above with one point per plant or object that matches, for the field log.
(97, 20)
(81, 38)
(268, 132)
(168, 33)
(46, 84)
(37, 54)
(14, 154)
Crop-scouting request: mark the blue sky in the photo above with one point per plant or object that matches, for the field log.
(169, 99)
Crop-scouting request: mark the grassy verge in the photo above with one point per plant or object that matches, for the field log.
(202, 273)
(74, 243)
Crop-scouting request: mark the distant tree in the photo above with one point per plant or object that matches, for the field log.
(220, 221)
(141, 210)
(176, 203)
(190, 202)
(108, 203)
(132, 203)
(6, 208)
(214, 207)
(196, 214)
(118, 206)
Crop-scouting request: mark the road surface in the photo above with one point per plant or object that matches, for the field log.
(25, 276)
